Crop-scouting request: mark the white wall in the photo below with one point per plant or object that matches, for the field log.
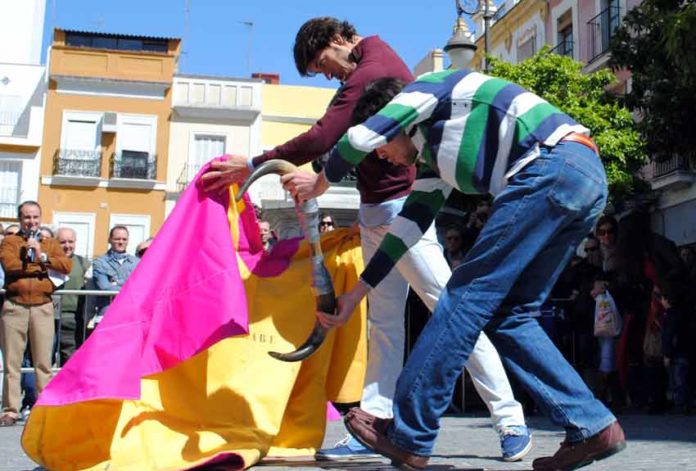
(22, 95)
(21, 31)
(181, 146)
(181, 143)
(22, 91)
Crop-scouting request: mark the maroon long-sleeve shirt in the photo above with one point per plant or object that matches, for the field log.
(375, 59)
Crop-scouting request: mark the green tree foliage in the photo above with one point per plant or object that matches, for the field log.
(560, 81)
(657, 43)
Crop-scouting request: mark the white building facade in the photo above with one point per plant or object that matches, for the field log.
(211, 116)
(22, 97)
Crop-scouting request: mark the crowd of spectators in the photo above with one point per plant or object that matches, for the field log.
(39, 327)
(648, 365)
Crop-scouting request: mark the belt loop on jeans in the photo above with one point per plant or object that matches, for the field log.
(581, 139)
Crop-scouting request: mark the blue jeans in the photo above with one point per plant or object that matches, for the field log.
(536, 223)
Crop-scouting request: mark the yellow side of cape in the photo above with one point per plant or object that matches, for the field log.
(230, 399)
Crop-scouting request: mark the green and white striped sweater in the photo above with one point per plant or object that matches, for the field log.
(474, 133)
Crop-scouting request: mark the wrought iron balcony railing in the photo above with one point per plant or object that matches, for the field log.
(563, 48)
(134, 164)
(77, 163)
(676, 163)
(187, 173)
(601, 29)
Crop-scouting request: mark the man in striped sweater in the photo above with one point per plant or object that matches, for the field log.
(331, 47)
(478, 134)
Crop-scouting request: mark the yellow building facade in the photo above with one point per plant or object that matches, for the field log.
(106, 135)
(288, 111)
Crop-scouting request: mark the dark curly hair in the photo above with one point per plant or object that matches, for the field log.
(375, 97)
(314, 36)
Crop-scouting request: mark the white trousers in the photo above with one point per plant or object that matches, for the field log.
(423, 267)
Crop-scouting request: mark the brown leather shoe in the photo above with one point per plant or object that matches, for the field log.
(7, 420)
(609, 441)
(371, 431)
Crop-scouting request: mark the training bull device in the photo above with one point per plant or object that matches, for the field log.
(322, 286)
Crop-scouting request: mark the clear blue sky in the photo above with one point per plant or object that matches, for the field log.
(215, 42)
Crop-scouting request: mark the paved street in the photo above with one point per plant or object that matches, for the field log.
(468, 443)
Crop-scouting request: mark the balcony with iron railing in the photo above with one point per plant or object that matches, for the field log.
(135, 165)
(563, 48)
(674, 172)
(601, 29)
(77, 163)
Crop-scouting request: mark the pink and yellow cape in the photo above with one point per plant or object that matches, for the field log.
(178, 374)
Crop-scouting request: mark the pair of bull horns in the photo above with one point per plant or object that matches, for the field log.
(322, 286)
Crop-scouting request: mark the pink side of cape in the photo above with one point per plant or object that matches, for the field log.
(185, 295)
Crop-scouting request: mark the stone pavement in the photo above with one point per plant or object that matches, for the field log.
(665, 442)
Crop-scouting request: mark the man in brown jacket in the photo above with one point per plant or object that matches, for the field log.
(28, 310)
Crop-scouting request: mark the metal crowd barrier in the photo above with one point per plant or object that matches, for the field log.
(86, 317)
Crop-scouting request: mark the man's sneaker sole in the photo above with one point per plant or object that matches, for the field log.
(521, 454)
(355, 457)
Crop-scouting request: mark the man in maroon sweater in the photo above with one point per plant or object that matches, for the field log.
(333, 48)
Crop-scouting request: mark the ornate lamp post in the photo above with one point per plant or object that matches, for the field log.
(460, 46)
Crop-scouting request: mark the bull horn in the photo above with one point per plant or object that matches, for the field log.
(278, 167)
(322, 286)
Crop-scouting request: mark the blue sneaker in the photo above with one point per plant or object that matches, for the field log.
(515, 443)
(347, 449)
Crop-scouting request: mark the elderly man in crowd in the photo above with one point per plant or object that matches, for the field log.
(72, 315)
(28, 310)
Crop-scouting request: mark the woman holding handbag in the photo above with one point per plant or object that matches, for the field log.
(608, 387)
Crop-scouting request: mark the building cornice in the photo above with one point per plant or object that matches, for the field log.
(216, 113)
(220, 78)
(20, 146)
(97, 86)
(96, 182)
(274, 118)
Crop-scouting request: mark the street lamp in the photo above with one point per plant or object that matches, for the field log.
(460, 48)
(471, 8)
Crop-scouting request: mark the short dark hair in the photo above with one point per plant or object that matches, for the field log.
(314, 36)
(375, 97)
(27, 203)
(47, 229)
(118, 226)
